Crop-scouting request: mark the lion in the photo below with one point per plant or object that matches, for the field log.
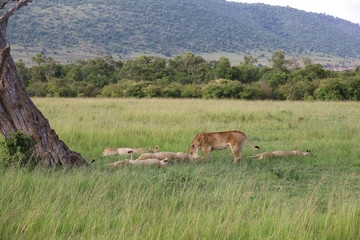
(179, 156)
(218, 141)
(144, 162)
(158, 155)
(278, 154)
(126, 151)
(109, 152)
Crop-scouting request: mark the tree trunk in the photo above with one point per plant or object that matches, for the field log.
(18, 112)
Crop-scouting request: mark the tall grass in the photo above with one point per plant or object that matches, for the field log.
(291, 198)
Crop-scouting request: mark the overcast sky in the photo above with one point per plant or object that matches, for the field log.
(345, 9)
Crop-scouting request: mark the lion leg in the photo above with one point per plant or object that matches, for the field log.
(236, 151)
(258, 156)
(207, 153)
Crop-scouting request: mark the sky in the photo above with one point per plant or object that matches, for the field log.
(345, 9)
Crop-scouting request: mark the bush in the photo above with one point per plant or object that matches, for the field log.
(353, 89)
(191, 91)
(222, 88)
(17, 151)
(298, 90)
(172, 90)
(331, 89)
(250, 93)
(116, 90)
(38, 89)
(136, 89)
(88, 90)
(152, 91)
(211, 90)
(257, 90)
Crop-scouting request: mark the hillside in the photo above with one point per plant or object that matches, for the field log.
(168, 27)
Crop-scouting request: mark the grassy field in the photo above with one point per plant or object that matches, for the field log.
(289, 198)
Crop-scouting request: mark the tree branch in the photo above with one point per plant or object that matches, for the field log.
(8, 13)
(3, 3)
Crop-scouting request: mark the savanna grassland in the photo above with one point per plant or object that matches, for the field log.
(289, 198)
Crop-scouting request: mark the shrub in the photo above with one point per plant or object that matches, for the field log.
(191, 91)
(353, 89)
(231, 89)
(295, 90)
(88, 90)
(116, 90)
(331, 89)
(17, 151)
(211, 90)
(152, 91)
(250, 93)
(257, 90)
(38, 89)
(172, 90)
(134, 91)
(222, 88)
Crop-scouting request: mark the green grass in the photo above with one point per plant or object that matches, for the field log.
(290, 198)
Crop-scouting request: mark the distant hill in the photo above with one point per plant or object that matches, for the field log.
(168, 27)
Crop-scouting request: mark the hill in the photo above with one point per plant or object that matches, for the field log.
(168, 27)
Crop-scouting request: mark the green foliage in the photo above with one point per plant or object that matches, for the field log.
(331, 89)
(172, 90)
(222, 88)
(171, 27)
(17, 151)
(188, 76)
(152, 91)
(353, 88)
(279, 62)
(191, 91)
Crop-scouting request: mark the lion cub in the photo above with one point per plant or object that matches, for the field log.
(278, 154)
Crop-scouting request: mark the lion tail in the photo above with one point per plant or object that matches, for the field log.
(248, 141)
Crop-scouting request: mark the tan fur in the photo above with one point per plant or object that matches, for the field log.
(145, 162)
(158, 155)
(156, 149)
(109, 152)
(278, 154)
(218, 141)
(126, 151)
(180, 156)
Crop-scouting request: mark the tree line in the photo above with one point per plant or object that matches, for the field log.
(189, 76)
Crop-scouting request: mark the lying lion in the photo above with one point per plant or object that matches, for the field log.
(218, 141)
(180, 156)
(145, 162)
(278, 154)
(125, 151)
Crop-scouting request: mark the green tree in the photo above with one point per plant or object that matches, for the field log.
(279, 62)
(222, 69)
(250, 60)
(306, 61)
(331, 89)
(25, 73)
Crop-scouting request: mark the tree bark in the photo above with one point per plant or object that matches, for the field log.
(18, 112)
